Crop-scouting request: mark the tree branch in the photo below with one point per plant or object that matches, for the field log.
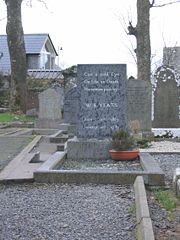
(132, 30)
(30, 3)
(152, 3)
(1, 19)
(164, 4)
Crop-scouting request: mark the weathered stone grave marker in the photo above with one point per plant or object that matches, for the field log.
(102, 109)
(71, 106)
(166, 99)
(140, 103)
(50, 108)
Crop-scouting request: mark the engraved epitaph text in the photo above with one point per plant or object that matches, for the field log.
(102, 99)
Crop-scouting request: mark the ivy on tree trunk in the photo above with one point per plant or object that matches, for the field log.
(16, 45)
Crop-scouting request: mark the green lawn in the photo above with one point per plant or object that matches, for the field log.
(9, 117)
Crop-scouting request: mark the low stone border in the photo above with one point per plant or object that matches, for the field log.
(155, 175)
(19, 168)
(48, 172)
(144, 223)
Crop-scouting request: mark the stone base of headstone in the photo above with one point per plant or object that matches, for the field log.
(148, 134)
(32, 112)
(72, 129)
(47, 123)
(166, 124)
(78, 148)
(64, 127)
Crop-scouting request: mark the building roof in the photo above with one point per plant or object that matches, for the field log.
(34, 42)
(45, 74)
(33, 45)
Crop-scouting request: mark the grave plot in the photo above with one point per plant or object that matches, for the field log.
(10, 147)
(24, 150)
(100, 102)
(58, 169)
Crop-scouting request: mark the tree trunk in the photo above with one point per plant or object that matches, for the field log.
(143, 51)
(15, 38)
(142, 35)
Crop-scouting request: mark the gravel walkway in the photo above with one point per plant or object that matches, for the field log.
(42, 211)
(163, 146)
(168, 163)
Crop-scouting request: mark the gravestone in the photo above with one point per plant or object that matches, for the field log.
(50, 108)
(71, 106)
(140, 103)
(171, 57)
(102, 109)
(102, 99)
(166, 99)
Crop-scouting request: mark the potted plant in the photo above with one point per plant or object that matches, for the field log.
(124, 146)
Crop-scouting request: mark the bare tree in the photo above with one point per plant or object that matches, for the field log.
(16, 45)
(142, 34)
(15, 38)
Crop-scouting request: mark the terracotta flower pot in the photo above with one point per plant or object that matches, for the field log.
(124, 155)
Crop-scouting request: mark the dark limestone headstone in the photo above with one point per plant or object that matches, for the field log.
(102, 103)
(140, 103)
(71, 106)
(166, 99)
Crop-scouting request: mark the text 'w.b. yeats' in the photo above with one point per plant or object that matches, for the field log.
(102, 99)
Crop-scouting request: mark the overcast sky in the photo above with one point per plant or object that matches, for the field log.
(92, 31)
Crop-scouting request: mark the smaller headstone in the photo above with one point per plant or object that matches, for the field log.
(140, 103)
(71, 106)
(50, 108)
(166, 99)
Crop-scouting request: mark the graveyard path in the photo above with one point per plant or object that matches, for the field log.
(21, 156)
(163, 147)
(45, 148)
(67, 212)
(20, 168)
(10, 147)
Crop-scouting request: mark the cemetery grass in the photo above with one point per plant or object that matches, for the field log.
(167, 199)
(10, 117)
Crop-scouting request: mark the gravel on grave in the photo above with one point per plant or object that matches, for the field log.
(72, 164)
(56, 211)
(164, 222)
